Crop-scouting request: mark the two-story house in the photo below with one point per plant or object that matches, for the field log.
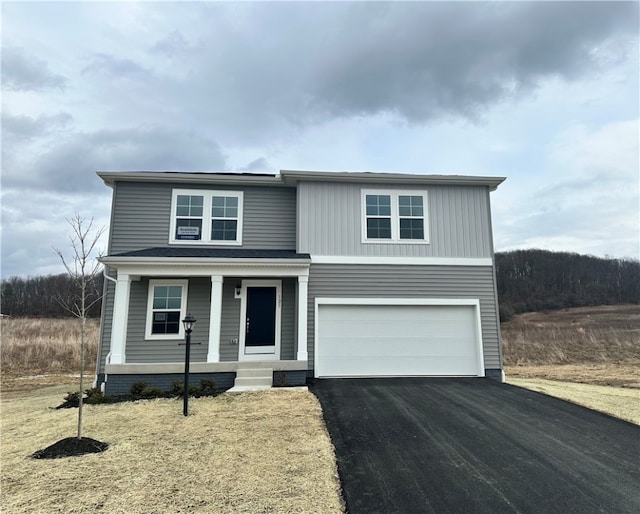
(300, 275)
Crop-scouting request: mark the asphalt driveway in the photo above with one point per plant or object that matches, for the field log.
(441, 445)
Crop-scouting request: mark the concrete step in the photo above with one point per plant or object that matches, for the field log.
(254, 372)
(252, 378)
(240, 389)
(254, 381)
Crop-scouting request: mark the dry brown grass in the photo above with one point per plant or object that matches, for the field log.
(598, 345)
(623, 403)
(606, 374)
(609, 334)
(44, 346)
(250, 452)
(589, 356)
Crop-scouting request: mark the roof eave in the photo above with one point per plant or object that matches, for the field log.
(110, 177)
(290, 178)
(294, 176)
(203, 261)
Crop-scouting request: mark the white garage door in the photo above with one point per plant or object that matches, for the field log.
(397, 340)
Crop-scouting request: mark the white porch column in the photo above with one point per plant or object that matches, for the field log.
(120, 318)
(215, 319)
(303, 293)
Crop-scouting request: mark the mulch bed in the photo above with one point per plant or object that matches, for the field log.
(71, 447)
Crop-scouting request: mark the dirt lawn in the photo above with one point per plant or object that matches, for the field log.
(251, 452)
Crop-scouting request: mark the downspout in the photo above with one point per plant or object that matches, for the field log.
(108, 357)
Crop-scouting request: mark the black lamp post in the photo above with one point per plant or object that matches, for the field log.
(188, 323)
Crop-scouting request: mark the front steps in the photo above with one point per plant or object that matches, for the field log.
(252, 378)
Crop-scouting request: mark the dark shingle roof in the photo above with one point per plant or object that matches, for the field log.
(219, 253)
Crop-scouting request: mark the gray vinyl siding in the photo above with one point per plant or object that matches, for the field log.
(330, 221)
(230, 324)
(288, 325)
(106, 323)
(142, 216)
(138, 349)
(370, 281)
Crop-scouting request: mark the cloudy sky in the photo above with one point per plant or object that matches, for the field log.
(544, 93)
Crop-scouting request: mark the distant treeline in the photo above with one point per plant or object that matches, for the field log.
(43, 296)
(528, 280)
(538, 280)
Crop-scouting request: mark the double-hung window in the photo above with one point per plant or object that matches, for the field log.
(411, 217)
(224, 218)
(378, 216)
(166, 307)
(206, 217)
(188, 210)
(394, 217)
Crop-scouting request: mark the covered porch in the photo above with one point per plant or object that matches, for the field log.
(251, 307)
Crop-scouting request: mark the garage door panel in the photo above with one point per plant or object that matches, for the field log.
(392, 346)
(394, 329)
(398, 366)
(397, 340)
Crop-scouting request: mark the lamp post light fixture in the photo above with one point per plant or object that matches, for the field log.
(188, 323)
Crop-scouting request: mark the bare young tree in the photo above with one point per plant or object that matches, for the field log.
(83, 268)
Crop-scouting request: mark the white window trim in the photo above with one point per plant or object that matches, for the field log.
(395, 216)
(206, 217)
(183, 308)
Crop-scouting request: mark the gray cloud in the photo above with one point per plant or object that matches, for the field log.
(33, 223)
(420, 61)
(253, 77)
(106, 64)
(25, 128)
(70, 165)
(172, 45)
(260, 164)
(23, 72)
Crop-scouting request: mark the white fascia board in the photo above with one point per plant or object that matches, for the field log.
(402, 261)
(200, 261)
(181, 269)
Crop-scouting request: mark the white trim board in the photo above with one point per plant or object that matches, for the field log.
(402, 261)
(238, 270)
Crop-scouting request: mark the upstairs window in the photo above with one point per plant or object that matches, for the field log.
(189, 217)
(224, 218)
(394, 217)
(378, 214)
(411, 216)
(206, 217)
(166, 307)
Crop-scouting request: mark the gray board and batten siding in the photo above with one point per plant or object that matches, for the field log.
(140, 350)
(383, 281)
(330, 221)
(141, 215)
